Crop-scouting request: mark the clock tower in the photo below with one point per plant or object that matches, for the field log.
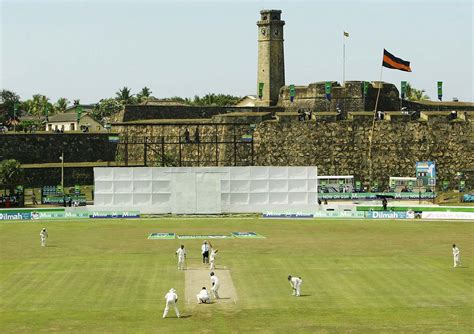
(271, 64)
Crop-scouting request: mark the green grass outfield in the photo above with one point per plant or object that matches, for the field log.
(360, 276)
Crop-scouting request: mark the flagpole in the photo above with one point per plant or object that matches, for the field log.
(369, 158)
(378, 93)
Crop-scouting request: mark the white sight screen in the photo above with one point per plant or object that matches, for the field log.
(205, 190)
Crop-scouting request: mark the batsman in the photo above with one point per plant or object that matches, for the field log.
(181, 253)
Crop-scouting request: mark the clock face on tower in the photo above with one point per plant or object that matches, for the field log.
(276, 32)
(263, 31)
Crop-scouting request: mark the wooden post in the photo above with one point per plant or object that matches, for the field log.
(145, 147)
(217, 145)
(179, 147)
(252, 152)
(235, 147)
(162, 151)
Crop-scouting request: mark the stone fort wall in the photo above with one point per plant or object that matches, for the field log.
(337, 147)
(350, 98)
(47, 147)
(44, 148)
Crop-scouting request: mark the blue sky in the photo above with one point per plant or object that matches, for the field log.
(90, 49)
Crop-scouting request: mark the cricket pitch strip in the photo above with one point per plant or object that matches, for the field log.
(197, 277)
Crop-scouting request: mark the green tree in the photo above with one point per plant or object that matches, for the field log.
(106, 108)
(61, 104)
(178, 99)
(11, 174)
(124, 96)
(212, 99)
(144, 95)
(8, 99)
(414, 94)
(39, 105)
(30, 125)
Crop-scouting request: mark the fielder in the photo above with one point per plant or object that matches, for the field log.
(295, 283)
(181, 252)
(43, 237)
(203, 296)
(171, 299)
(212, 258)
(215, 285)
(457, 256)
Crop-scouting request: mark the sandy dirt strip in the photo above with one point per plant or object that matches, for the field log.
(198, 276)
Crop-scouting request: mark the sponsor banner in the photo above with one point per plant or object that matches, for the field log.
(61, 214)
(47, 215)
(114, 139)
(339, 214)
(386, 214)
(287, 215)
(203, 236)
(247, 235)
(161, 236)
(468, 198)
(114, 214)
(15, 215)
(447, 215)
(316, 214)
(60, 199)
(76, 214)
(409, 195)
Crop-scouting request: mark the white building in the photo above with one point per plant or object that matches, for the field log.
(68, 122)
(247, 101)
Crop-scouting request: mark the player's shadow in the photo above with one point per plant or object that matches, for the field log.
(305, 295)
(186, 316)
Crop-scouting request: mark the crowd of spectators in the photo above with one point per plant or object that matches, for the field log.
(9, 201)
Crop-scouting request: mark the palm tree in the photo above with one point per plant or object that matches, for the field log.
(61, 105)
(144, 95)
(124, 96)
(414, 94)
(11, 174)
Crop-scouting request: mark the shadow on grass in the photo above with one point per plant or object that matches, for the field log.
(186, 316)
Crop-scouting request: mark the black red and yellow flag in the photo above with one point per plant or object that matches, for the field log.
(390, 61)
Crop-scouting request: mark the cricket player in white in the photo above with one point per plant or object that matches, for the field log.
(457, 256)
(295, 283)
(171, 299)
(203, 296)
(181, 252)
(215, 285)
(212, 258)
(43, 237)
